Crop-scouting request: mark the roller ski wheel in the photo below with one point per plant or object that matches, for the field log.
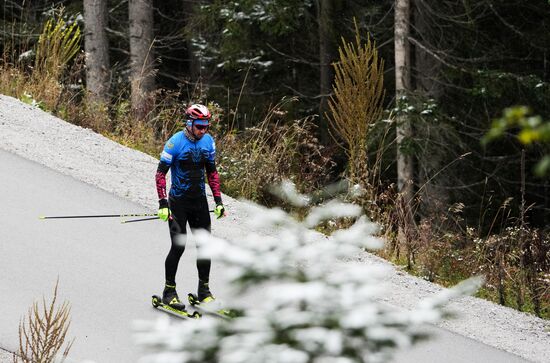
(157, 303)
(193, 299)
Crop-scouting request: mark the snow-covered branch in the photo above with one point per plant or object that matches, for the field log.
(320, 304)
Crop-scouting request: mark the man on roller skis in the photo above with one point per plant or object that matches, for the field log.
(188, 154)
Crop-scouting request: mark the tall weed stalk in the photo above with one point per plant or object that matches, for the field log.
(356, 104)
(43, 332)
(59, 42)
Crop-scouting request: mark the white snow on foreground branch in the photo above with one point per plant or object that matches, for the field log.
(312, 311)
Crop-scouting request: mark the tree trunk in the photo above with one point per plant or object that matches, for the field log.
(434, 196)
(97, 50)
(403, 129)
(427, 67)
(194, 68)
(142, 73)
(326, 56)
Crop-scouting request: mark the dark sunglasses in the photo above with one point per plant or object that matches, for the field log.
(201, 127)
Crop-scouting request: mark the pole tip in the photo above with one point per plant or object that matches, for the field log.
(41, 217)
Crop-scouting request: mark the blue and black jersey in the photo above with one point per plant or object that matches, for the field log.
(188, 160)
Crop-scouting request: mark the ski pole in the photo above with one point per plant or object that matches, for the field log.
(101, 216)
(140, 220)
(146, 219)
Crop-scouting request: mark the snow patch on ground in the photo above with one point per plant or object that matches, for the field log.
(33, 134)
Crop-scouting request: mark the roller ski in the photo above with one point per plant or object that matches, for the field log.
(171, 304)
(206, 304)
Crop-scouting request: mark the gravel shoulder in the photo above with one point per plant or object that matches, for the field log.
(94, 159)
(5, 356)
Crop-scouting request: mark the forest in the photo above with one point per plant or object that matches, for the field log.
(439, 111)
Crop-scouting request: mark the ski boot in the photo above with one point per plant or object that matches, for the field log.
(205, 303)
(171, 299)
(204, 296)
(171, 303)
(203, 293)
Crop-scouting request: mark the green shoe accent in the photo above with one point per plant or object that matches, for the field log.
(203, 291)
(207, 299)
(174, 301)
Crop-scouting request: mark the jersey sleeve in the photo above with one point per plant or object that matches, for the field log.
(167, 156)
(170, 150)
(160, 179)
(212, 174)
(212, 152)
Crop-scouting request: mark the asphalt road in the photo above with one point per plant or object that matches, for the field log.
(108, 270)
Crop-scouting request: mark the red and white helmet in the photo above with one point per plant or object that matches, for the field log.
(197, 114)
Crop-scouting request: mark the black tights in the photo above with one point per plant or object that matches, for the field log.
(194, 212)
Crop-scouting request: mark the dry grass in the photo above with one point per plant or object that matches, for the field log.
(251, 161)
(43, 332)
(514, 261)
(13, 80)
(36, 76)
